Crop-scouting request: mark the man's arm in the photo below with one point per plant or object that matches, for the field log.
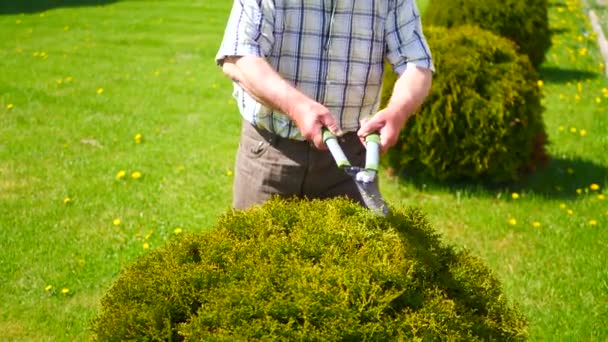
(409, 92)
(265, 85)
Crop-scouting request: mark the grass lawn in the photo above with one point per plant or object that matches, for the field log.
(117, 131)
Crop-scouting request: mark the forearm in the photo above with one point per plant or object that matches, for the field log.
(264, 84)
(409, 92)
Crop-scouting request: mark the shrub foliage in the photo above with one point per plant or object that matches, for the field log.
(483, 117)
(308, 270)
(524, 22)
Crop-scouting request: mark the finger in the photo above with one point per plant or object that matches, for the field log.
(317, 141)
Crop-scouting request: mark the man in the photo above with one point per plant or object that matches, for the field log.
(301, 65)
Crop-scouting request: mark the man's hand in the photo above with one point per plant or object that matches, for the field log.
(311, 117)
(409, 92)
(388, 122)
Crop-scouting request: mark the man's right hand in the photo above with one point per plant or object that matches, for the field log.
(311, 117)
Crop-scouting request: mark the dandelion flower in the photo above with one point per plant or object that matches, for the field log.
(9, 106)
(562, 205)
(99, 91)
(512, 221)
(594, 187)
(515, 195)
(137, 138)
(177, 230)
(229, 173)
(535, 224)
(121, 174)
(65, 291)
(67, 201)
(573, 129)
(570, 212)
(592, 222)
(146, 245)
(117, 222)
(136, 175)
(48, 288)
(579, 191)
(540, 83)
(601, 197)
(583, 132)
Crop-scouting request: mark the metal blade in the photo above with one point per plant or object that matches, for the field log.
(372, 197)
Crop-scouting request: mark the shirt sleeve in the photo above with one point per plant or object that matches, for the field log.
(249, 30)
(405, 40)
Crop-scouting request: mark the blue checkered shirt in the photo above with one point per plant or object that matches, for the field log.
(331, 50)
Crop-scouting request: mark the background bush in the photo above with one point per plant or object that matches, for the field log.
(524, 22)
(483, 116)
(309, 270)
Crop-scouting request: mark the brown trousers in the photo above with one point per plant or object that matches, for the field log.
(268, 165)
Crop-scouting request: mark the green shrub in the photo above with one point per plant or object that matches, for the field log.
(483, 117)
(312, 271)
(524, 22)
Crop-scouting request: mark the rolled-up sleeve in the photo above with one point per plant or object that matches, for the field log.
(405, 40)
(249, 30)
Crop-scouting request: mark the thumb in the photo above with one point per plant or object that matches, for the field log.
(332, 125)
(369, 126)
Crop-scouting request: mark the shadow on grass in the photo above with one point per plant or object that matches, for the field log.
(33, 6)
(560, 179)
(559, 75)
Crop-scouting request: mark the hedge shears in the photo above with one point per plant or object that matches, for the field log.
(364, 177)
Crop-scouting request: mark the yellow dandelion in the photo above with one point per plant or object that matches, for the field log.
(540, 83)
(562, 205)
(592, 222)
(229, 173)
(579, 191)
(535, 224)
(65, 291)
(69, 79)
(594, 187)
(561, 128)
(10, 106)
(117, 222)
(573, 129)
(99, 91)
(601, 197)
(67, 201)
(59, 81)
(598, 100)
(570, 212)
(136, 175)
(121, 174)
(515, 195)
(512, 221)
(137, 138)
(577, 97)
(177, 230)
(48, 288)
(583, 132)
(146, 245)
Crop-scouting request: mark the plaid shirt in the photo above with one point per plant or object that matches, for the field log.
(331, 50)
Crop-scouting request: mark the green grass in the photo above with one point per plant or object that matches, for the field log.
(62, 137)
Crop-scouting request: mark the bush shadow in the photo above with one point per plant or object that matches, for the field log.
(560, 75)
(561, 178)
(34, 6)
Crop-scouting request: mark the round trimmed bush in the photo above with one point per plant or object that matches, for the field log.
(309, 271)
(482, 119)
(524, 22)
